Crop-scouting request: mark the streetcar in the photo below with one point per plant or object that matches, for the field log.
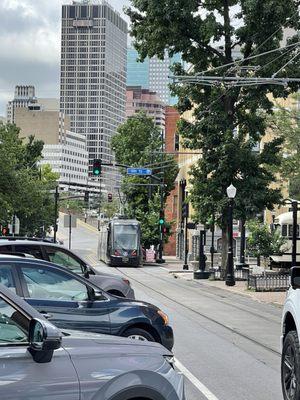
(120, 243)
(284, 225)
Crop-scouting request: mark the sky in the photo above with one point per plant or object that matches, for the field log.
(30, 46)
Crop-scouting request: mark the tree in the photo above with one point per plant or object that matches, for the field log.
(262, 242)
(228, 119)
(24, 187)
(139, 143)
(285, 123)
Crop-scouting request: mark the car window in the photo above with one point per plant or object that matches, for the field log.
(6, 277)
(34, 250)
(64, 259)
(47, 283)
(6, 249)
(13, 325)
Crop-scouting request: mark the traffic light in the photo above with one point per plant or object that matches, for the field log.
(109, 198)
(161, 217)
(185, 210)
(97, 167)
(86, 197)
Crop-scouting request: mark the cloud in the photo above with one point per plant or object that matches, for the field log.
(30, 45)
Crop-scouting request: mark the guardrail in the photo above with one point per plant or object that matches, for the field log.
(239, 274)
(269, 282)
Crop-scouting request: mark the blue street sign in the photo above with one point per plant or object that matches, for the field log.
(139, 171)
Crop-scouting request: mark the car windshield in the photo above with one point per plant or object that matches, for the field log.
(125, 237)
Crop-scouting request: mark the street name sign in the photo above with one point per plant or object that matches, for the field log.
(139, 171)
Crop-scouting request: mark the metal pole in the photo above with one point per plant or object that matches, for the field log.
(295, 229)
(230, 281)
(56, 197)
(212, 248)
(70, 229)
(99, 212)
(241, 263)
(160, 250)
(186, 250)
(201, 252)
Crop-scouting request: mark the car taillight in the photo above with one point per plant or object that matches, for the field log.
(134, 253)
(117, 253)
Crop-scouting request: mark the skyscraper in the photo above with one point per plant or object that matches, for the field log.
(93, 75)
(152, 74)
(24, 96)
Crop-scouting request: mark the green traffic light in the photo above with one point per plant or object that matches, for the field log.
(161, 221)
(96, 171)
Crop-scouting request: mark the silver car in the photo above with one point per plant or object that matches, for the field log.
(111, 283)
(39, 362)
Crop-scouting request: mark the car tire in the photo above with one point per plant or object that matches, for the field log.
(138, 334)
(290, 367)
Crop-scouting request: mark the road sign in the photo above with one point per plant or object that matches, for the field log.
(139, 171)
(67, 221)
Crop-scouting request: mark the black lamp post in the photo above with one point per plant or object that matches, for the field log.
(230, 281)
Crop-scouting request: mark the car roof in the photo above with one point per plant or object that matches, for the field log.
(35, 262)
(5, 242)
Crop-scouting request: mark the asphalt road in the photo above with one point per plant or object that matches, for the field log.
(227, 345)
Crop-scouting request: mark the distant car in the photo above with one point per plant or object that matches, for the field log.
(110, 283)
(40, 362)
(72, 302)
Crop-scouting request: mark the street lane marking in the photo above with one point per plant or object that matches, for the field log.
(199, 385)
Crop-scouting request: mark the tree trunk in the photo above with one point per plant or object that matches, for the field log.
(224, 252)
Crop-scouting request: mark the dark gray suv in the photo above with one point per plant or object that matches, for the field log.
(57, 254)
(40, 362)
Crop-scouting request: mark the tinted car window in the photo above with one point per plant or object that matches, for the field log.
(6, 249)
(64, 259)
(12, 324)
(34, 250)
(6, 277)
(46, 283)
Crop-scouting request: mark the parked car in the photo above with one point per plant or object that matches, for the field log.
(290, 349)
(72, 302)
(38, 361)
(44, 250)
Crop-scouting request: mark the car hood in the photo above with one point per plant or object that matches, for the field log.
(104, 275)
(110, 344)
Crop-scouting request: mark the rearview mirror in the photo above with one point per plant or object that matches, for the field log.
(44, 338)
(97, 295)
(295, 277)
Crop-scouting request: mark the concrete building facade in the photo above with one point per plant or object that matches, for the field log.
(24, 96)
(139, 99)
(93, 76)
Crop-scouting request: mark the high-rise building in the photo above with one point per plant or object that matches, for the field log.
(24, 96)
(93, 76)
(152, 74)
(139, 99)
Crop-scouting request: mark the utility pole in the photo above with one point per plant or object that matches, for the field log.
(56, 197)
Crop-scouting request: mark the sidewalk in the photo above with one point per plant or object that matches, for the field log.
(276, 298)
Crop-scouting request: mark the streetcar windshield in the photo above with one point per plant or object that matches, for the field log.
(125, 237)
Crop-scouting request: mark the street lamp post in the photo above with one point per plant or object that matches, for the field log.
(230, 281)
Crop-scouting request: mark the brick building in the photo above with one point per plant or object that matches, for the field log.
(171, 139)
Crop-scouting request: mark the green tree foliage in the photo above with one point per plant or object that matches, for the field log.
(139, 143)
(228, 120)
(24, 187)
(285, 122)
(262, 242)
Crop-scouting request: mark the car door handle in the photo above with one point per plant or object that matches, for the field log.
(46, 315)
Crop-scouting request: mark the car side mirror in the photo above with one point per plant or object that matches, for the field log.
(295, 277)
(97, 295)
(44, 338)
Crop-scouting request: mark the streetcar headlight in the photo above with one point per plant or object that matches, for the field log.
(164, 317)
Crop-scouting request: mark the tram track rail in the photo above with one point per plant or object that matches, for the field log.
(208, 318)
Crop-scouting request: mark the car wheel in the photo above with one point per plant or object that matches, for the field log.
(290, 367)
(139, 334)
